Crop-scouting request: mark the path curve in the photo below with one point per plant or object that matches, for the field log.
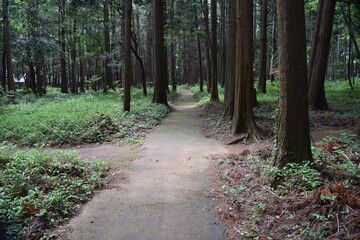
(166, 194)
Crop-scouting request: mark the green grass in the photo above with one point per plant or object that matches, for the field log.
(343, 101)
(41, 189)
(57, 119)
(204, 97)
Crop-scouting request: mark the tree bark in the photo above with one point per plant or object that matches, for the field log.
(160, 78)
(205, 10)
(64, 79)
(222, 63)
(127, 57)
(231, 62)
(273, 65)
(317, 99)
(172, 53)
(293, 138)
(243, 120)
(201, 75)
(263, 47)
(214, 96)
(108, 75)
(7, 49)
(3, 73)
(74, 81)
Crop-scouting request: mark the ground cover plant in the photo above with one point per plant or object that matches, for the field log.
(317, 200)
(57, 119)
(40, 189)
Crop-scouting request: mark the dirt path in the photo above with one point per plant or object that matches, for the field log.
(164, 191)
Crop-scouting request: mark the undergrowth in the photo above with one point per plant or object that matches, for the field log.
(314, 200)
(57, 119)
(39, 190)
(204, 96)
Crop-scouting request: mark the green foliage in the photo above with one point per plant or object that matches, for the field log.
(343, 101)
(204, 97)
(299, 176)
(40, 189)
(57, 119)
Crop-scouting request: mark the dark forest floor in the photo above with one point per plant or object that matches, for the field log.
(318, 201)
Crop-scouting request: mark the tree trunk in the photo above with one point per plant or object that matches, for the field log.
(214, 96)
(127, 57)
(273, 65)
(160, 78)
(293, 138)
(74, 82)
(222, 63)
(81, 68)
(149, 51)
(32, 77)
(263, 47)
(231, 62)
(205, 10)
(108, 74)
(322, 37)
(7, 49)
(201, 75)
(172, 52)
(243, 120)
(64, 79)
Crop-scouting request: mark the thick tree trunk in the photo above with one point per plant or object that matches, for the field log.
(263, 47)
(214, 96)
(231, 62)
(160, 78)
(127, 57)
(7, 49)
(293, 138)
(321, 46)
(243, 120)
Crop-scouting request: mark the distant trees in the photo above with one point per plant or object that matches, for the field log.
(7, 68)
(80, 45)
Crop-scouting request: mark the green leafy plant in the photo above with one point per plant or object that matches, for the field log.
(57, 119)
(40, 189)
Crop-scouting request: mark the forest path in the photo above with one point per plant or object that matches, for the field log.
(165, 193)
